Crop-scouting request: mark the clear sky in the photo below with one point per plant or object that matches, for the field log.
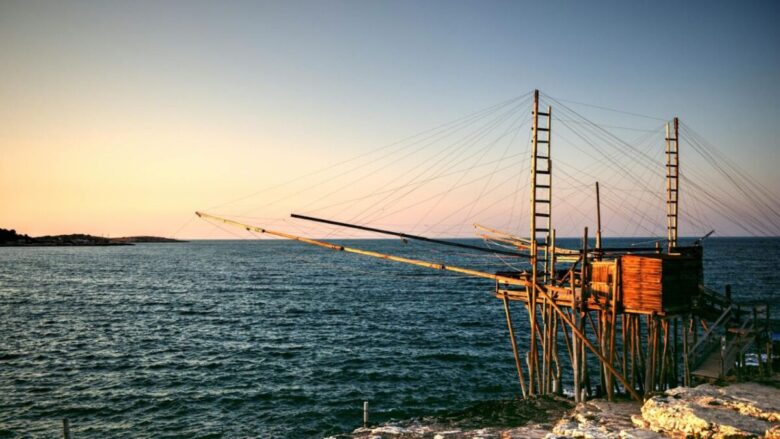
(122, 118)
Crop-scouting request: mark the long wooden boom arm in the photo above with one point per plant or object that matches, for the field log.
(410, 236)
(336, 247)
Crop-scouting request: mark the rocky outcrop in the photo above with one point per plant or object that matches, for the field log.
(510, 419)
(599, 419)
(745, 410)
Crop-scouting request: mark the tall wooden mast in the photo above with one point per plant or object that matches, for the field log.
(541, 210)
(672, 183)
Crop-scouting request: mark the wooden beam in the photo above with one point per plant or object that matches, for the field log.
(373, 254)
(587, 343)
(518, 364)
(409, 236)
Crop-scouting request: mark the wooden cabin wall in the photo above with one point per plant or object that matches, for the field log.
(661, 284)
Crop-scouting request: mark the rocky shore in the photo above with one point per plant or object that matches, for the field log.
(742, 410)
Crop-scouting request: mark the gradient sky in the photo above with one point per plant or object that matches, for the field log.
(122, 118)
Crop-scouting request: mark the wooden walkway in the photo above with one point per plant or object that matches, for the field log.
(723, 357)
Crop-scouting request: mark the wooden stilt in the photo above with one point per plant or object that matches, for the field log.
(632, 341)
(650, 357)
(557, 386)
(584, 314)
(577, 360)
(514, 346)
(600, 334)
(585, 341)
(623, 343)
(686, 366)
(566, 340)
(610, 351)
(640, 365)
(662, 377)
(673, 353)
(612, 323)
(544, 375)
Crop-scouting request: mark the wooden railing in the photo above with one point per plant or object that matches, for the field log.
(711, 338)
(744, 337)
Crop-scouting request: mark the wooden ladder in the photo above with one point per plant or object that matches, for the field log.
(672, 183)
(541, 188)
(541, 226)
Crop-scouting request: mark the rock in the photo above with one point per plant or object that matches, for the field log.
(599, 419)
(745, 410)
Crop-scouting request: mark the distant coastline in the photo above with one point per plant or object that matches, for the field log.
(10, 238)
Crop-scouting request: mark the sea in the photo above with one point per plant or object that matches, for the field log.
(271, 338)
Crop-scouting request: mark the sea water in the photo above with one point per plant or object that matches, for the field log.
(269, 338)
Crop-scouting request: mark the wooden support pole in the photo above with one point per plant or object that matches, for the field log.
(534, 245)
(544, 375)
(514, 346)
(769, 347)
(614, 291)
(576, 350)
(544, 296)
(537, 331)
(584, 314)
(551, 348)
(651, 358)
(686, 351)
(602, 340)
(548, 372)
(649, 363)
(598, 223)
(552, 331)
(632, 340)
(641, 369)
(568, 343)
(636, 380)
(662, 377)
(654, 353)
(66, 429)
(676, 353)
(553, 258)
(624, 345)
(557, 386)
(584, 369)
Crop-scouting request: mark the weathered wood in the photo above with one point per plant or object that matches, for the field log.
(567, 342)
(420, 263)
(612, 324)
(686, 353)
(587, 343)
(514, 348)
(659, 283)
(598, 223)
(675, 354)
(672, 184)
(66, 429)
(664, 354)
(534, 244)
(410, 236)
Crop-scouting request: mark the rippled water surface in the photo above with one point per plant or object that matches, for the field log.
(263, 338)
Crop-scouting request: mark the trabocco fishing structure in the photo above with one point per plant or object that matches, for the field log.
(641, 316)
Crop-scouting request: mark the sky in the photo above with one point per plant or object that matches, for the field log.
(123, 118)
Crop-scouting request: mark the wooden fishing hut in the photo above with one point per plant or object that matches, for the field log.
(643, 313)
(629, 320)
